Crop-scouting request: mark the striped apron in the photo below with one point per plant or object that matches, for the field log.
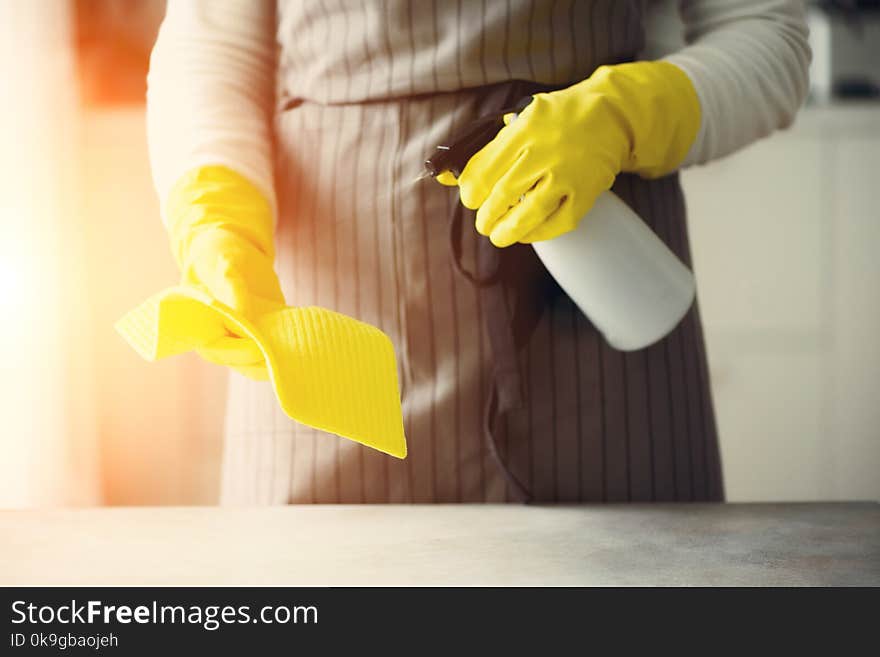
(366, 90)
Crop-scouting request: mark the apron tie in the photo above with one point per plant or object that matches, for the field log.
(506, 389)
(514, 288)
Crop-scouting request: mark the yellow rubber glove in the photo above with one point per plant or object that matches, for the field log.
(221, 232)
(543, 171)
(328, 371)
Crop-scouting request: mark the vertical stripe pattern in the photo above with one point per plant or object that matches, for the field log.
(415, 47)
(357, 235)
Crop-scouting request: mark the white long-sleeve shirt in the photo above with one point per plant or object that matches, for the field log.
(212, 80)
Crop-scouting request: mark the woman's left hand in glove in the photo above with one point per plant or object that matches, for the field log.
(544, 170)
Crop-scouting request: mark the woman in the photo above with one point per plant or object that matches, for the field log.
(320, 112)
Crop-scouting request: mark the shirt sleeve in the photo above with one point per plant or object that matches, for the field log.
(210, 91)
(749, 62)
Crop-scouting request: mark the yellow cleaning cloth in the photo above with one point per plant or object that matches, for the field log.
(329, 371)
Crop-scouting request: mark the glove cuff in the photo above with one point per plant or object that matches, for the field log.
(660, 111)
(216, 197)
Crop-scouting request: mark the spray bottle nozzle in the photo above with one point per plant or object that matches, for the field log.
(454, 156)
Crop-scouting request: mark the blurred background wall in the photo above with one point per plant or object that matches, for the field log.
(158, 426)
(87, 421)
(784, 236)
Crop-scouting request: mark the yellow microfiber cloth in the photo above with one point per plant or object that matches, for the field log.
(328, 370)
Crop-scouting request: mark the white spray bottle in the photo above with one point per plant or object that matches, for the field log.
(622, 276)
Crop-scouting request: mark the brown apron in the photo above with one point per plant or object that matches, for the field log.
(509, 393)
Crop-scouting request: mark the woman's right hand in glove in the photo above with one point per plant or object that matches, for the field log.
(221, 230)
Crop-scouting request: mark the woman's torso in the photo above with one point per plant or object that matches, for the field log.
(357, 235)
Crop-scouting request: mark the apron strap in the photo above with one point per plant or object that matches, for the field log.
(513, 276)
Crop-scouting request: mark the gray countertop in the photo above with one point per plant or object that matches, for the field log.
(693, 544)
